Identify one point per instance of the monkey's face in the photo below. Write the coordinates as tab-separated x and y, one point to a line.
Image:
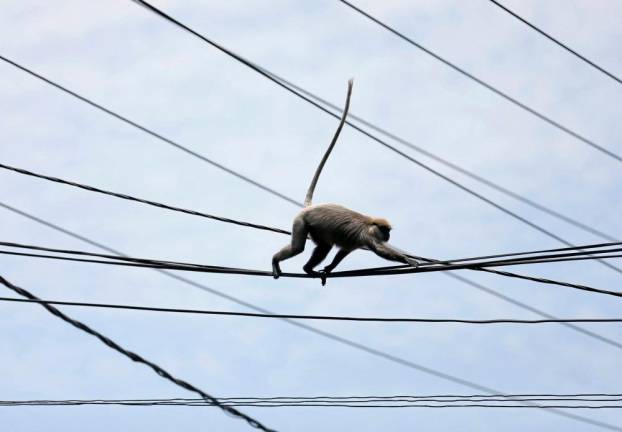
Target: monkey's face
385	232
381	232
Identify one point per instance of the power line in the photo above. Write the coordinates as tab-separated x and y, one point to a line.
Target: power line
349	342
437	158
516	258
241	302
214	217
313	317
483	83
134	357
143	201
556	41
516	254
533	225
277	230
581	397
512	257
382	402
456	167
151	132
262	72
378	271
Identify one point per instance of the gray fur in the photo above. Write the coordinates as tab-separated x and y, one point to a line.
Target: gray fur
331	225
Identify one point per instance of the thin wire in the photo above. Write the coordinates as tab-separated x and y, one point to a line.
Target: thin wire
313	317
435	265
268	189
391	403
133	356
452	165
580	397
152	133
515	254
242	223
483	83
398	270
261	71
557	42
351	343
443	161
381	271
143	201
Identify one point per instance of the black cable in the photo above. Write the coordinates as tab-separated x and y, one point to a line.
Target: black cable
313	317
143	201
214	217
434	265
283	404
261	71
437	265
588	397
152	133
261	227
133	356
516	254
350	273
452	165
349	342
380	271
557	41
318	99
483	83
268	189
556	282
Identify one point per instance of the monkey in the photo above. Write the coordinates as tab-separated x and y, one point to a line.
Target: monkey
331	225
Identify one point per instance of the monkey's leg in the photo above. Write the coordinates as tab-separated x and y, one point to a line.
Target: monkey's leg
338	258
318	255
297	245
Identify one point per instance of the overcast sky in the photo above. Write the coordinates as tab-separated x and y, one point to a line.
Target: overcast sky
129	60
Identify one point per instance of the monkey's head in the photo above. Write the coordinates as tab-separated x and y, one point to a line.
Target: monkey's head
381	229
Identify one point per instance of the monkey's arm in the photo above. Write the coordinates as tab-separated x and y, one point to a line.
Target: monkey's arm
387	252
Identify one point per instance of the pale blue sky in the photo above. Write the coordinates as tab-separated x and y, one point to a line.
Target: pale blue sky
127	59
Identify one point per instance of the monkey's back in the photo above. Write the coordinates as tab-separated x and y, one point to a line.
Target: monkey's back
333	224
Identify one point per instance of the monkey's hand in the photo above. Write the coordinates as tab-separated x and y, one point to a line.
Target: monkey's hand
276	270
412	262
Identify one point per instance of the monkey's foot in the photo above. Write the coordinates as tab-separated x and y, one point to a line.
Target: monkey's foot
323	274
276	269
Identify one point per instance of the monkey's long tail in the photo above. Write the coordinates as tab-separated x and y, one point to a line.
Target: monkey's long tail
309	197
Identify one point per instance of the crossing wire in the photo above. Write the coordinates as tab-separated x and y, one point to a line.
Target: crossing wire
478	178
141	200
151	132
259	70
272	191
556	41
177	145
484	84
378	271
349	342
133	356
277	230
398	270
313	317
518	258
333	402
